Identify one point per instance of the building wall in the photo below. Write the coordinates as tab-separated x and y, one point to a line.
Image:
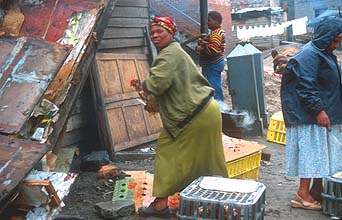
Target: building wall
262	43
302	8
238	4
275	3
185	13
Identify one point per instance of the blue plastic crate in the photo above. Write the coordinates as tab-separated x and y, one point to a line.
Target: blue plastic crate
332	197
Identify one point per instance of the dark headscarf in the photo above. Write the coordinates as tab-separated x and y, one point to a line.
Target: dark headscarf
327	30
165	22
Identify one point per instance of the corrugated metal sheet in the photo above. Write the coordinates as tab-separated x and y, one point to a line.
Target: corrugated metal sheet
17	158
80	29
27	67
49	21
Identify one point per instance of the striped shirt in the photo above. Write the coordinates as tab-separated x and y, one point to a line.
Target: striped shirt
214	48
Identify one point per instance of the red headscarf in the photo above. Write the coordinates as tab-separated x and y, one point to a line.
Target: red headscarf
165	22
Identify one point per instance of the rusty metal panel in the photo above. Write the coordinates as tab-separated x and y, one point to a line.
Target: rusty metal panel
49	21
27	66
129	123
17	157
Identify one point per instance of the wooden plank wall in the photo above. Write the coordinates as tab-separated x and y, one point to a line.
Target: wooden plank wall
81	128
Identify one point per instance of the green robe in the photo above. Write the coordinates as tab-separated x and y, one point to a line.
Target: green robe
195	149
180	88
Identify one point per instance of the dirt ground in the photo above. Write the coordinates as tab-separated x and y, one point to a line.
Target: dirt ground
88	189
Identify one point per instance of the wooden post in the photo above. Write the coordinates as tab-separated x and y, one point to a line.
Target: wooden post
204	16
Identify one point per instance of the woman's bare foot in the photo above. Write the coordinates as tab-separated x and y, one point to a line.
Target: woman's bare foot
306	196
160	203
316	195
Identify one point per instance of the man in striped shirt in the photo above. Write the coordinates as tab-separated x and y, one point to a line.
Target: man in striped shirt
211	49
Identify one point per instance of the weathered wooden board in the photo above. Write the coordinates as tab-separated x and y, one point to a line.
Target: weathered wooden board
17	157
123	11
27	67
129	123
81	74
123	43
132	2
107	48
128	21
124	32
235	148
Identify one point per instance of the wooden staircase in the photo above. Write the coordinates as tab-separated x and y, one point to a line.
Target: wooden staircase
125	28
124	53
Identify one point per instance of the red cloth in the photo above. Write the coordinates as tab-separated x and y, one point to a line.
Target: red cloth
165	22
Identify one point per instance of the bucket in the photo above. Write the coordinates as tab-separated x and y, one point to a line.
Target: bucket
229	124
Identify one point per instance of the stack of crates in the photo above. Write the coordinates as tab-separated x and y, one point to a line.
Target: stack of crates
276	129
197	203
332	197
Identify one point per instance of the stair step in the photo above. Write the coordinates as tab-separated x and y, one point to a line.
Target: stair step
132	2
122	32
127	12
128	21
126	26
121	43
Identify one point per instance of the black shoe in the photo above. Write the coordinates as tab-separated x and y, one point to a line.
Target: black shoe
151	211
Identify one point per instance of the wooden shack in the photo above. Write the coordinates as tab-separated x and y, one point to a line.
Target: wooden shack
65	81
76	59
46	60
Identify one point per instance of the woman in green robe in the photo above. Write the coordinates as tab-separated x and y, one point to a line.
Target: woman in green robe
190	143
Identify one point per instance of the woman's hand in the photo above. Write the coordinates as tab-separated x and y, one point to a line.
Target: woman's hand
323	120
151	104
202	42
136	83
198	49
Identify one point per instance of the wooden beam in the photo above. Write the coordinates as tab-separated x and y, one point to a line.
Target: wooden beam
81	75
101	114
55	200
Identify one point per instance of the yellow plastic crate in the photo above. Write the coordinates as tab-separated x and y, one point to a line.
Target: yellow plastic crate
246	167
276	129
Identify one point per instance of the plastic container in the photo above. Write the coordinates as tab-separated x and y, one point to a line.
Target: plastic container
198	203
276	129
332	197
245	168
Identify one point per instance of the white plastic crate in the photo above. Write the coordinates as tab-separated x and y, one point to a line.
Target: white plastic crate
198	203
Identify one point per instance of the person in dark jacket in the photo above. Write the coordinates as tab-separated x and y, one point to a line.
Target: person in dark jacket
311	98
